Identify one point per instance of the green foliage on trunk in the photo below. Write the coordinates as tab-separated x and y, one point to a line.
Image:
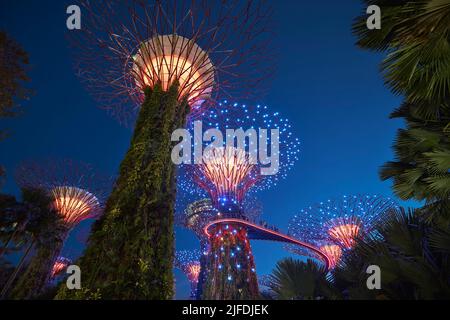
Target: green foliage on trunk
130	252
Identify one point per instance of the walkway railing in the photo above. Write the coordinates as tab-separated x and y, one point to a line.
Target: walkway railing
272	234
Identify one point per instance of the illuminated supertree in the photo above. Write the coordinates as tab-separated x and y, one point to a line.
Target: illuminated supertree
195	218
333	252
75	193
211	48
189	263
160	61
227	173
251	119
334	225
60	266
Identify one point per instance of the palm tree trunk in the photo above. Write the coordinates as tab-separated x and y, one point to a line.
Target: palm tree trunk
13	276
5	247
13	235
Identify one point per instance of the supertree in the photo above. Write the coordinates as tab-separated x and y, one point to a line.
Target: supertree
195	218
227	173
75	193
159	61
227	115
334	225
188	261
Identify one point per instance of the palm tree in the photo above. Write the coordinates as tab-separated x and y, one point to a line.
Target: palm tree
13	76
421	169
14	217
297	280
411	254
34	231
415	36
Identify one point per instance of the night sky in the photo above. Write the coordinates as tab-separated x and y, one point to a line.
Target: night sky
330	90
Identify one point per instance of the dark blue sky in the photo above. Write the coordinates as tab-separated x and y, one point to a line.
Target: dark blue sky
330	90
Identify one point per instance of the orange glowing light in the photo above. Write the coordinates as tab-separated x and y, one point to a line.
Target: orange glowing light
171	58
193	272
345	234
59	266
74	204
333	252
226	168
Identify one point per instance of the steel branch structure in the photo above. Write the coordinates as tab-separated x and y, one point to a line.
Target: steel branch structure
189	263
76	193
211	48
60	266
247	121
164	61
334	225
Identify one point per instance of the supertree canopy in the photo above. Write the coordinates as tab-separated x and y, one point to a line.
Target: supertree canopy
333	252
334	225
60	265
75	192
227	174
170	58
196	216
228	171
159	60
75	204
189	263
78	193
210	48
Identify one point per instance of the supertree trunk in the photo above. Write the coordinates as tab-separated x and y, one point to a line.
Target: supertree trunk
130	252
35	279
231	268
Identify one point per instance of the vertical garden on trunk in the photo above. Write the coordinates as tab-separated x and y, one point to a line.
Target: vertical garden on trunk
131	248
